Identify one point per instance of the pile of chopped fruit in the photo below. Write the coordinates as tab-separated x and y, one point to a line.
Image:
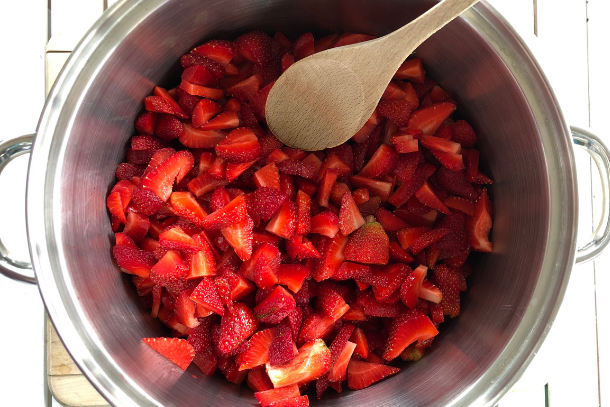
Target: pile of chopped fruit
292	268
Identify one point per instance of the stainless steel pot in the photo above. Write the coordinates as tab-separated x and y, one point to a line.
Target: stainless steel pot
515	291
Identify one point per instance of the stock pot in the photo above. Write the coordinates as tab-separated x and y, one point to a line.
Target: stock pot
514	293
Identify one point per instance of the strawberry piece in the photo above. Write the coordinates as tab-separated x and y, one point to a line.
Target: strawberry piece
257	349
350	218
303	202
312	361
255	46
284	222
350	270
202	263
266	398
126	171
282	348
412	70
277	156
457	241
428	119
215	70
267	201
258	101
177	351
204	184
404	143
206	295
221	51
439	144
427	239
186	101
389	221
204	111
407	165
361	195
240	146
333	161
137	226
393	92
268	176
472	165
275	307
430	292
168	127
123	240
239	236
375	308
456	183
246	89
367	129
451	161
186	206
170	272
362	374
230	369
287	61
262	266
158	157
304	46
292	276
200	336
438	94
234	170
398	254
479	225
125	190
378	188
397	111
258	380
396	274
410	289
462	133
184	310
362	346
236	325
368	245
225	120
382	163
325	223
339	359
161	179
339	370
176	239
408	188
156	104
301	401
240	287
351	38
199	74
202	91
331	303
295	167
219	199
332	258
231	214
133	261
406	329
146	123
115	206
197	138
175	108
426	196
218	168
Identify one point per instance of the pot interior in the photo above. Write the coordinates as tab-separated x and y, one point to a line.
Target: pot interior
138	45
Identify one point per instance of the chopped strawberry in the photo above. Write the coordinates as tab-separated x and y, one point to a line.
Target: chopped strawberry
234	170
284	222
239	236
225	120
237	324
168	127
339	359
406	329
404	143
202	263
241	146
185	205
231	214
448	281
175	108
267	201
396	274
351	38
362	345
397	111
170	272
408	188
136	226
472	164
398	254
367	129
480	224
133	261
268	176
427	239
331	303
304	46
262	266
333	161
115	206
275	307
456	183
350	218
382	163
332	257
451	161
325	223
282	348
393	92
303	202
255	46
246	89
216	69
292	276
301	401
257	349
368	245
312	361
361	195
426	196
430	292
266	398
206	295
375	308
438	94
439	144
461	204
184	310
204	184
363	374
200	75
161	179
462	133
219	50
202	91
177	351
389	221
258	380
410	289
412	70
377	188
176	239
126	171
146	123
428	119
300	168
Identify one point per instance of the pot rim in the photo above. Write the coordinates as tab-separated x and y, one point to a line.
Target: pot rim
43	206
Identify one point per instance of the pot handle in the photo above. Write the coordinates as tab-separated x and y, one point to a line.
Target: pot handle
15	269
601	155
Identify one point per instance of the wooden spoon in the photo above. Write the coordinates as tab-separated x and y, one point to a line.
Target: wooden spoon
323	100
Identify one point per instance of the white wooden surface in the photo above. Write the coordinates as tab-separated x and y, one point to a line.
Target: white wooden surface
572	46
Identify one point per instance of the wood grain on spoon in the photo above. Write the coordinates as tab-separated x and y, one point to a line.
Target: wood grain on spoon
323	100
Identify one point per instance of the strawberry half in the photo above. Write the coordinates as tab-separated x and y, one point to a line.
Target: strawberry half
161	179
239	236
257	349
428	119
362	374
240	146
206	295
255	46
237	324
410	327
177	351
312	361
368	245
231	214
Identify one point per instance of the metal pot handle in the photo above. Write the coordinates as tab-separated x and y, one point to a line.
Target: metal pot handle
601	155
15	269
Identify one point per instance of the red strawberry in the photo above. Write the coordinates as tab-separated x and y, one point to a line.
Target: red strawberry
126	171
462	133
115	206
427	239
367	129
156	104
282	348
398	254
287	61
396	274
331	303
404	143
284	222
136	226
375	308
479	224
292	276
225	120
397	111
231	214
389	221
200	337
230	369
350	270
363	374
221	51
262	266
237	324
206	361
168	127
275	307
312	361
300	168
267	201
412	70
258	380
378	188
351	38
304	46
234	170
428	119
410	289
199	74
359	339
184	310
455	182
448	281
215	69
301	401
266	398
451	161
177	351
255	46
332	257
239	236
303	202
350	218
161	179
333	161
176	239
186	206
204	111
170	272
146	123
245	90
219	199
175	108
439	144
133	261
206	295
241	145
408	188
426	196
430	292
197	138
257	350
457	241
268	176
277	156
202	91
382	163
202	263
369	245
393	92
204	184
325	223
406	329
123	240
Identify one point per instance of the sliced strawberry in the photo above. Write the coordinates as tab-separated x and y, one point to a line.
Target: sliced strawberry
158	157
214	68
184	310
177	351
239	236
408	188
231	214
133	261
451	161
237	324
368	245
115	206
312	361
156	104
325	43
406	329
332	257
136	226
404	143
246	89
275	307
363	374
412	70
241	145
199	74
427	239
382	163
456	183
462	133
267	201
304	46
333	161
460	204
240	287
255	46
282	348
301	401
303	202
204	111
300	168
426	196
396	274
284	222
176	110
398	254
350	218
202	263
262	266
146	123
258	380
339	359
375	308
221	51
234	170
202	91
170	272
362	346
292	276
287	61
266	398
123	240
439	144
268	176
206	294
277	156
377	188
397	111
393	92
410	289
257	350
430	292
438	94
367	129
218	169
428	119
480	224
331	303
225	120
389	221
185	205
161	179
168	127
204	184
351	38
176	239
126	171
